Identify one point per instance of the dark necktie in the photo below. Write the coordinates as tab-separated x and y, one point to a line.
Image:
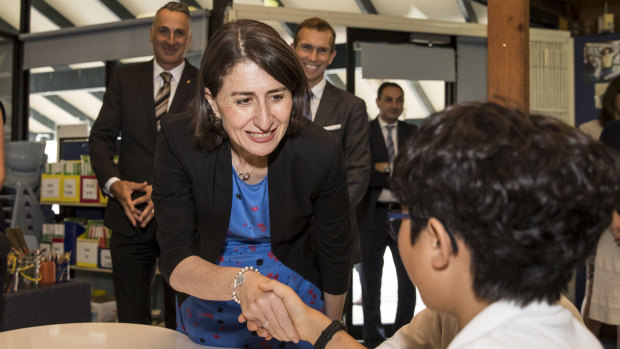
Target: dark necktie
161	100
309	114
390	142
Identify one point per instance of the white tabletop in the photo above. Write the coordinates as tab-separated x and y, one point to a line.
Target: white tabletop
96	335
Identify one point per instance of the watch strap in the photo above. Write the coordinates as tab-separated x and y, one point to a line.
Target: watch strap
328	333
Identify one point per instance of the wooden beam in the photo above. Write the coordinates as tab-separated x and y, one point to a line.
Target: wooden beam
508	52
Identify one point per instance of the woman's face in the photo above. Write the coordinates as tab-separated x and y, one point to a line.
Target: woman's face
255	109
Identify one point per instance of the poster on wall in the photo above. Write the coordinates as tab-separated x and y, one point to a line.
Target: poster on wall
597	63
601	64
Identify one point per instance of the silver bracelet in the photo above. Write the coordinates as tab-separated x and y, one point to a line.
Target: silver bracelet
239	280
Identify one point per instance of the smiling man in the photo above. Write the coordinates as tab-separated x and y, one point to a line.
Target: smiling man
387	135
134	102
338	111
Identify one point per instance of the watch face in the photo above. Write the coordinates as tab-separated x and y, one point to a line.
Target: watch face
240	279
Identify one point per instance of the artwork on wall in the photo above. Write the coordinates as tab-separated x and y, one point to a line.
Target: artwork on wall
597	62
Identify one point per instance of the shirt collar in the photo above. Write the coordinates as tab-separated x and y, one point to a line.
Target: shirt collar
176	71
317	90
502	312
382	123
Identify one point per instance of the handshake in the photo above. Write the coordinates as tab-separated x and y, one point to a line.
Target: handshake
276	311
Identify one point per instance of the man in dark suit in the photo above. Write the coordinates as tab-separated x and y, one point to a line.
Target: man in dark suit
136	98
387	133
338	111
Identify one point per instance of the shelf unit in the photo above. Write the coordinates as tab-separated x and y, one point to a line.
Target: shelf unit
91	269
73	204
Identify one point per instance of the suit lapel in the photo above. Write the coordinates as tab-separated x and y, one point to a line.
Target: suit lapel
326	106
278	183
184	88
378	142
148	98
403	133
222	186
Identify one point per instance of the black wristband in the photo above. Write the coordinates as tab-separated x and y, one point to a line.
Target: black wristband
328	333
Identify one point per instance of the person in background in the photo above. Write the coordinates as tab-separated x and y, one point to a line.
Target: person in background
338	111
387	135
247	189
5	244
604	306
487	236
134	102
610	111
607	55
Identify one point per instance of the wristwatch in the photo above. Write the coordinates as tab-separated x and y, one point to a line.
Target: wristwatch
239	280
388	169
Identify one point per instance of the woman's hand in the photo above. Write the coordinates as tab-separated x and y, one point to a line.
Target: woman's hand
308	322
264	310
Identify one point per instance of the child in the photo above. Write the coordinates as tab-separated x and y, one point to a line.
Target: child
501	208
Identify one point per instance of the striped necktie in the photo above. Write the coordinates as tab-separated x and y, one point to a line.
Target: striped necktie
390	142
161	100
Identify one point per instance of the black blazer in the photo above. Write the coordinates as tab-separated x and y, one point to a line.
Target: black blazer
129	111
308	202
380	180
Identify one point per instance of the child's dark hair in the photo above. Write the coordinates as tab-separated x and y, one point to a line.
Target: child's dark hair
527	194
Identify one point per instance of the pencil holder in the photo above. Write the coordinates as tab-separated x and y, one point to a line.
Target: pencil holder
62	271
28	271
48	273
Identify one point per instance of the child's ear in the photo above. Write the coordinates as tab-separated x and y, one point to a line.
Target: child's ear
441	248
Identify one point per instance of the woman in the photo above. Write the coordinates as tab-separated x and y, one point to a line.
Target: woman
243	182
610	111
604	302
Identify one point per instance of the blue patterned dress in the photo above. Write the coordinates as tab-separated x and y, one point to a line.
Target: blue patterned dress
247	243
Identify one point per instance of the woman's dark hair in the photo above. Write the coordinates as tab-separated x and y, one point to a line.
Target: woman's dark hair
241	41
527	194
3	112
608	103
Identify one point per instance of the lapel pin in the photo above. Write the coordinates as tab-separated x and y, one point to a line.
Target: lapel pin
188	81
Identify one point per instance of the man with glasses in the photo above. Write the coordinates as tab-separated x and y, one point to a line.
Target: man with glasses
387	134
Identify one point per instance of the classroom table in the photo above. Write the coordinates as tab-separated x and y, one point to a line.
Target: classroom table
96	335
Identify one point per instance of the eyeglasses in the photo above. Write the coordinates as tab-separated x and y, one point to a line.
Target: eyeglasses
395	218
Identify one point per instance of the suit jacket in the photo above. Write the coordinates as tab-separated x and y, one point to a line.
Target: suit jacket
380	180
129	110
345	116
308	206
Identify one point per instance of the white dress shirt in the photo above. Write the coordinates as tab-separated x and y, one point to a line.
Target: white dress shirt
158	81
536	326
317	93
386	195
